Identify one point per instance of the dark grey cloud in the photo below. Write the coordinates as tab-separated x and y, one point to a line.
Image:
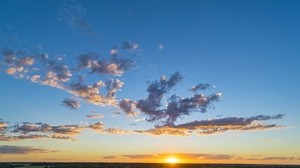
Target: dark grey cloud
71	103
6	149
128	106
74	14
175	106
151	106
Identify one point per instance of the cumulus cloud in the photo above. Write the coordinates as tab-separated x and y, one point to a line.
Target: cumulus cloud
71	103
151	106
167	113
116	65
6	149
74	14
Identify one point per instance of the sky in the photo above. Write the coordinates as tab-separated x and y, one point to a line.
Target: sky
205	81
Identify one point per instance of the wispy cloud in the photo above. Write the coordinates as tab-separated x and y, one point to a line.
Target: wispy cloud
129	45
94	116
74	14
71	103
6	149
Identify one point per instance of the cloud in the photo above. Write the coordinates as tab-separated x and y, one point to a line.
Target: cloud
140	156
117	131
112	86
201	86
10	138
128	45
91	93
74	15
175	106
94	116
96	126
116	65
3	126
161	47
128	106
213	126
27	130
17	64
6	149
156	90
73	104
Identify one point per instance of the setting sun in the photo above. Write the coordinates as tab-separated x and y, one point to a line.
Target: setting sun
171	160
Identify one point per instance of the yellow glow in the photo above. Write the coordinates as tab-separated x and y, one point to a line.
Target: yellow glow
171	160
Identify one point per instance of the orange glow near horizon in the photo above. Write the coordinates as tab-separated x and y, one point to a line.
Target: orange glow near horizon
172	160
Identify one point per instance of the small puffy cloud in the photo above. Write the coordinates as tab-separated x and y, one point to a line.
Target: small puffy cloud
117	131
91	93
94	116
112	86
161	47
201	86
25	61
71	103
3	126
35	78
96	126
129	45
7	149
67	129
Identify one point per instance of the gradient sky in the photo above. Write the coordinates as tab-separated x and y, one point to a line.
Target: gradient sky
96	81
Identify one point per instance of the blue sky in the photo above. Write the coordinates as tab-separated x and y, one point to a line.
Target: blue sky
247	49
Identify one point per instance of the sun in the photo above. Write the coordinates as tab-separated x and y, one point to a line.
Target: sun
171	160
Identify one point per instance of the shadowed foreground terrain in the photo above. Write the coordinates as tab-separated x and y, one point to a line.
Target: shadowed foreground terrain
136	165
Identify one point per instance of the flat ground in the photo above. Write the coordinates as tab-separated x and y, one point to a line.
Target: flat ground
136	165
